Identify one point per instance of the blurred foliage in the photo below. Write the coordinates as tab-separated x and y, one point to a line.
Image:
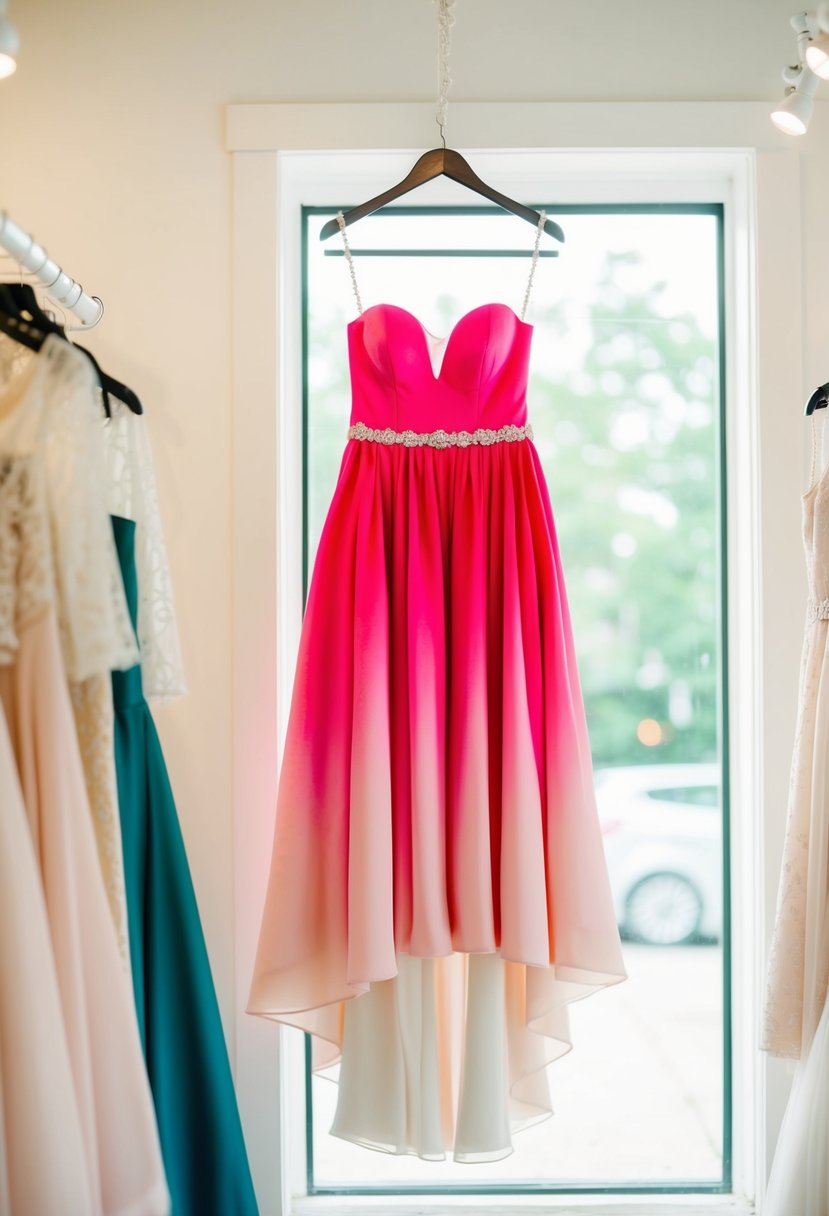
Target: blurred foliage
629	444
631	457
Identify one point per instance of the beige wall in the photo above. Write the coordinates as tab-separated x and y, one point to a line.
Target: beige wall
111	152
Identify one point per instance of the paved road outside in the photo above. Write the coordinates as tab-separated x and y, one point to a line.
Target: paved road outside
639	1097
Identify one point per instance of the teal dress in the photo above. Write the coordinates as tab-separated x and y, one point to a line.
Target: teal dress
181	1030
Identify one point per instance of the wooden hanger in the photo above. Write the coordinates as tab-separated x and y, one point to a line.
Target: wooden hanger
441	162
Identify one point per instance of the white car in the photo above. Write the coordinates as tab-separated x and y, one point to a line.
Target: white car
662	829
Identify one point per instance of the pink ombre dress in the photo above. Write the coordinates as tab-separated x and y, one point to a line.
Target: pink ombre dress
437	852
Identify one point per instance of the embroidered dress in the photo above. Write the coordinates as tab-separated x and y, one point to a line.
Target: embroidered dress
438	890
796	1016
799	956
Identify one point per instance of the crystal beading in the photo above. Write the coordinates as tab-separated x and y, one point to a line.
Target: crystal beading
542	219
482	437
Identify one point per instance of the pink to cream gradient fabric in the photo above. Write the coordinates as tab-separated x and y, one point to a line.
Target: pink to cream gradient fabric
436	796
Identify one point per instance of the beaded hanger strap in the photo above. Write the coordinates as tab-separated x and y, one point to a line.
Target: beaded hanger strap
541	221
350	260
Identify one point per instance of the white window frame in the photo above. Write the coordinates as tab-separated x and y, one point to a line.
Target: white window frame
288	155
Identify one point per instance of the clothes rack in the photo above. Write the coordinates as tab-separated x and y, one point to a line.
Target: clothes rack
34	259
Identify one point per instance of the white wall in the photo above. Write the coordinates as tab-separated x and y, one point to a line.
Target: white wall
112	153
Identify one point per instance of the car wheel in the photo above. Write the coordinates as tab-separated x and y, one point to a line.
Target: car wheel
663	910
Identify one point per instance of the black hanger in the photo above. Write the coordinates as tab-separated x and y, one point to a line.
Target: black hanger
25	301
29	318
818	400
112	386
441	162
19	329
7	303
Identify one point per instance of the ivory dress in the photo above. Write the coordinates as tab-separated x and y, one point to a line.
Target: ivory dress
438	890
65	619
796	1018
38	1112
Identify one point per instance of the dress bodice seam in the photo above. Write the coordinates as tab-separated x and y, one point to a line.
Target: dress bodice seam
483	355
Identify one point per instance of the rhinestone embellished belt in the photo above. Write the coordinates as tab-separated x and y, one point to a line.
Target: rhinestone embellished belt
817	610
440	439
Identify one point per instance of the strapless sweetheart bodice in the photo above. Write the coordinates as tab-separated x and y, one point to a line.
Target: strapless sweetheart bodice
481	381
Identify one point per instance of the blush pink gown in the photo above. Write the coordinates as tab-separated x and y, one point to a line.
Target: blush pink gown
438	890
39	1117
796	1012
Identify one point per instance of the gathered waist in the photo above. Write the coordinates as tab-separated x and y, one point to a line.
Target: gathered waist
817	610
483	436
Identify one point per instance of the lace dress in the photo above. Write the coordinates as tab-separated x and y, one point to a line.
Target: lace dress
92	709
438	891
64	619
796	1018
132	494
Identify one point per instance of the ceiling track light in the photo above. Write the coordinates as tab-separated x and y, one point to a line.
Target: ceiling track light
793	114
817	50
9	44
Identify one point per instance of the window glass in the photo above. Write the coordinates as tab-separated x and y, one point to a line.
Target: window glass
625	403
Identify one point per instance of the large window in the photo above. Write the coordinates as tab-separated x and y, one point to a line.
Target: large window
626	404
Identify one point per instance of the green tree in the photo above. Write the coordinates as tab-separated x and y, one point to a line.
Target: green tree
629	447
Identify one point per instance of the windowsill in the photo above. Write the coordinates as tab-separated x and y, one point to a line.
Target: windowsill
543	1205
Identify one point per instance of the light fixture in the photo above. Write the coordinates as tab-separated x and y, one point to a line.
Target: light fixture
9	43
817	52
817	56
793	113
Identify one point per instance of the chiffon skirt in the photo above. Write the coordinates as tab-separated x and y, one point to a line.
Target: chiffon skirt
436	794
799	1180
39	1119
798	968
115	1116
